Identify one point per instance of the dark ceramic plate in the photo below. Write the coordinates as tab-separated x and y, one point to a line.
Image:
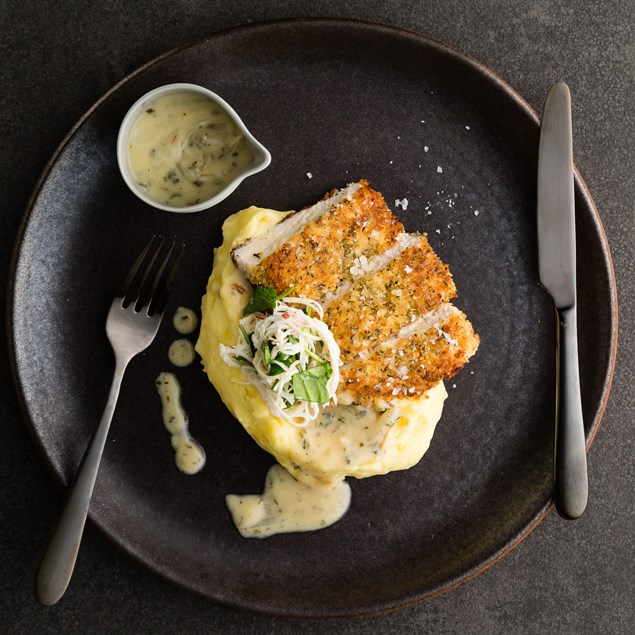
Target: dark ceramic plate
342	101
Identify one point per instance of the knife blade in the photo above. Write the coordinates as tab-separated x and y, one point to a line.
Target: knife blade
557	268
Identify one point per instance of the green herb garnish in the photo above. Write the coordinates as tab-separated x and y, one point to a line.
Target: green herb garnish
280	364
266	352
248	338
310	384
264	298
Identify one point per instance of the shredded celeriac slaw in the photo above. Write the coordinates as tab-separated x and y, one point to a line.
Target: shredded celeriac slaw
290	356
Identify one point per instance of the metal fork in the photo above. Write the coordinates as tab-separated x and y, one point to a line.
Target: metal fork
131	326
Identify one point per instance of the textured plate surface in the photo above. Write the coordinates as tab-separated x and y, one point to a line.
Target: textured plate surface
342	101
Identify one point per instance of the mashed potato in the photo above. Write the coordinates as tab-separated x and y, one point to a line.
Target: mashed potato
344	440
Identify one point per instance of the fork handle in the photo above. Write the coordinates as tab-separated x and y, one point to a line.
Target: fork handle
59	559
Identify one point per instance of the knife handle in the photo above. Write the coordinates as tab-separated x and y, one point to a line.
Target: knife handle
570	481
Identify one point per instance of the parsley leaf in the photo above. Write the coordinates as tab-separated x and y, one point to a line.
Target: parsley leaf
264	298
310	384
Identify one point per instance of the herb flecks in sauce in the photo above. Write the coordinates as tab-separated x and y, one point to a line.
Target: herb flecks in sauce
185	149
185	321
288	505
189	456
181	352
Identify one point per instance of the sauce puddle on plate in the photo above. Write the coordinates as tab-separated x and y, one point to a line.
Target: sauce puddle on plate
181	353
189	456
288	505
184	321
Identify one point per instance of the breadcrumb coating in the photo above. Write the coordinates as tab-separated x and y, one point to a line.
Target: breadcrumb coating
386	296
383	302
408	367
319	257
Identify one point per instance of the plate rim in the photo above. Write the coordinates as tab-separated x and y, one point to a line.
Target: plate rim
305	22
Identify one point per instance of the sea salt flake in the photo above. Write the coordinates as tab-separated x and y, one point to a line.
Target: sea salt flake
403	203
408	269
446	336
309	175
467	127
476	212
439	169
425	148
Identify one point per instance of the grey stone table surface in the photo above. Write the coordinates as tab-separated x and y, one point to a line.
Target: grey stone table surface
58	58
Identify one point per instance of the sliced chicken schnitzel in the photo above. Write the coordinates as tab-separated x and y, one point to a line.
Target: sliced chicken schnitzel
385	292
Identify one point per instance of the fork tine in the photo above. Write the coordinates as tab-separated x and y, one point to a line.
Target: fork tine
164	278
134	281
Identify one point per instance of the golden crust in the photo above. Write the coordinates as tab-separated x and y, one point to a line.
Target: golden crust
383	302
321	255
411	366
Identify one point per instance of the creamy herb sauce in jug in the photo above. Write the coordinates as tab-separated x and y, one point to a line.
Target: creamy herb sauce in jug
185	148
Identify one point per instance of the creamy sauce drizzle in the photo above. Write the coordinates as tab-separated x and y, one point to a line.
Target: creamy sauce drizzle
189	456
185	321
288	505
181	352
185	148
347	435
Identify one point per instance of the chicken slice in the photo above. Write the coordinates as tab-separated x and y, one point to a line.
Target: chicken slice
433	347
388	299
317	250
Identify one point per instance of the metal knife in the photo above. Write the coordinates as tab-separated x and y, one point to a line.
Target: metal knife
557	264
